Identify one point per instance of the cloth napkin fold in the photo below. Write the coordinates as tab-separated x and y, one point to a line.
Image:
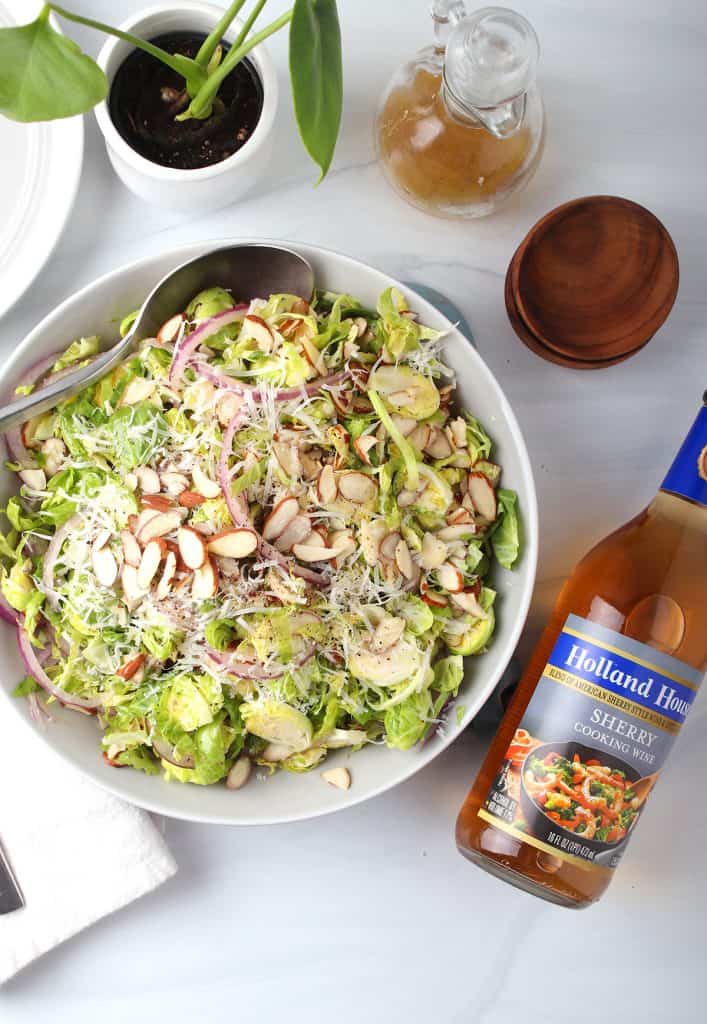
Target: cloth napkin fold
78	853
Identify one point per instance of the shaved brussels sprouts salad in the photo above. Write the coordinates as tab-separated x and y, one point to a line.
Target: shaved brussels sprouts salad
266	535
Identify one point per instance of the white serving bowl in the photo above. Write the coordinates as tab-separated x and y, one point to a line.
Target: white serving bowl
97	309
206	188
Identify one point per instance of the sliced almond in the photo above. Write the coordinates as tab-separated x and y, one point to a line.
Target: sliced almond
205	581
105	566
128	669
168	573
357	487
460	517
148	480
287	458
318	531
276	752
434	552
388	545
363	445
192	547
139	389
341	433
387	632
313	356
227	406
342	400
326	486
203	484
33	478
150	563
431	597
342	541
169	331
280	517
313	552
403	560
131	548
371	534
239	773
190	499
450	578
237	543
174	483
102	538
295	533
438	445
405	424
159	526
54	451
458	531
132	591
255	327
156	502
340	778
420	436
483	496
469	602
457	428
407	498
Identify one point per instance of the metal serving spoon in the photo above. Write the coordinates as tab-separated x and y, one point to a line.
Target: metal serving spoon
251	270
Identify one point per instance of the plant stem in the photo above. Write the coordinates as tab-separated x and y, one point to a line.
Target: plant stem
208	47
250	21
171	61
203	99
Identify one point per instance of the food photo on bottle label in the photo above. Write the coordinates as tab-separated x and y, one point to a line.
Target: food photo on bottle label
606	711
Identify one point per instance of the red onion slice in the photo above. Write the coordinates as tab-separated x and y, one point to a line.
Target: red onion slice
227	383
251	670
165	750
8	613
34	669
185	350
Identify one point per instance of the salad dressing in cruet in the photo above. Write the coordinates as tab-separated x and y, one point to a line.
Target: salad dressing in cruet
461	126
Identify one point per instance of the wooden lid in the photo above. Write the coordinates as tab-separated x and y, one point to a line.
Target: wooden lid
536	346
594	280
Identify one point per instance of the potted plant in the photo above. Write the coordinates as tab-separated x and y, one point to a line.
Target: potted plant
185	92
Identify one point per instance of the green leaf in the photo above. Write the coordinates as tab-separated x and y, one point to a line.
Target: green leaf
25	687
506	538
317	77
406	723
44	75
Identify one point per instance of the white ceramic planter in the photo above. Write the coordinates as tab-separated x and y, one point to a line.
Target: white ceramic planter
208	188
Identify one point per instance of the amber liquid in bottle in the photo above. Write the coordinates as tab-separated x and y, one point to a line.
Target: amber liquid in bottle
653	571
436	159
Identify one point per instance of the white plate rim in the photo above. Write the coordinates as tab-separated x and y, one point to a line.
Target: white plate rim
530	523
57	197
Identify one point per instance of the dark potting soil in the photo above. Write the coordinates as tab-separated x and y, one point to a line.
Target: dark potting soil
146	95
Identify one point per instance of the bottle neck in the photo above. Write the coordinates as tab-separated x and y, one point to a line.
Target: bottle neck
687	477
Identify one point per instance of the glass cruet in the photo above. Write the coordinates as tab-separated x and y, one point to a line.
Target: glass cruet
460	127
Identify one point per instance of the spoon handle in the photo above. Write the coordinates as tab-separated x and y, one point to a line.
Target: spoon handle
56	391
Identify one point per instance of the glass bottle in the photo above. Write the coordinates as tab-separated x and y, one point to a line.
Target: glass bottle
611	681
460	128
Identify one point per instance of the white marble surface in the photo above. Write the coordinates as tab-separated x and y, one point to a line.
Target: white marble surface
372	914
